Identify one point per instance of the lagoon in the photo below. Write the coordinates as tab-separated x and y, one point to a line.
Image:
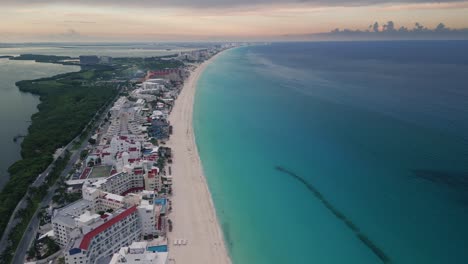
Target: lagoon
16	108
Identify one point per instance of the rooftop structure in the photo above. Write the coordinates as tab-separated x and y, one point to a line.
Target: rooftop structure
160	129
105	60
138	252
105	238
171	74
153	85
88	60
63	221
126	119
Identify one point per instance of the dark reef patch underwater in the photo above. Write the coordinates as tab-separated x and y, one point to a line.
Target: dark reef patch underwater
362	237
454	180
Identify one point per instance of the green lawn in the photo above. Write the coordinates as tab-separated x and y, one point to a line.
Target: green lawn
100	171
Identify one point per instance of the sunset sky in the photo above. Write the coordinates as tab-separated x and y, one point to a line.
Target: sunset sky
176	20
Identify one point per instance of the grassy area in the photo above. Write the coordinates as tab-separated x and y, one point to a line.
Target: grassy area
153	63
100	171
87	75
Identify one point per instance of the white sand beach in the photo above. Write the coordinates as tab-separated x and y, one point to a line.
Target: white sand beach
193	215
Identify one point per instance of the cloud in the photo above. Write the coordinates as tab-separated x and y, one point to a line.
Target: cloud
214	3
388	30
78	22
425	6
69	35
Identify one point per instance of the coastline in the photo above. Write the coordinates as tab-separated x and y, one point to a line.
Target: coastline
18	107
29	170
194	215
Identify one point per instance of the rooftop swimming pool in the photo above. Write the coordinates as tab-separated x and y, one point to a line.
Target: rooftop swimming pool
161	201
160	248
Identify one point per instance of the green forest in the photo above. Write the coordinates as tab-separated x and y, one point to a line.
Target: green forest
68	102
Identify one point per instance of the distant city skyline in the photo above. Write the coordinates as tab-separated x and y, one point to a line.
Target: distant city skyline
210	20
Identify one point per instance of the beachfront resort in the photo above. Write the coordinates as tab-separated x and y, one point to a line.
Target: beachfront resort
125	185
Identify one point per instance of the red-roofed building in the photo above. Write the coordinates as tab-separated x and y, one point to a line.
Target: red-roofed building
125	144
86	241
107	238
165	73
132	190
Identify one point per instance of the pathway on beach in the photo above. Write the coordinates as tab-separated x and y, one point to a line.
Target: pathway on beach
193	216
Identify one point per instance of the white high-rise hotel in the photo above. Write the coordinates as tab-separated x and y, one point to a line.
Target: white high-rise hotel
109	216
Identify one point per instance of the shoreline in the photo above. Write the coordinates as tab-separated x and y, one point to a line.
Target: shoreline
30	169
18	136
194	215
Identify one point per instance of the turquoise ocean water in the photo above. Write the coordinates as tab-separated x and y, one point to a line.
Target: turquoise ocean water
373	140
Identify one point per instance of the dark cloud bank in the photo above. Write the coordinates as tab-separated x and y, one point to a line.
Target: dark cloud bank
389	31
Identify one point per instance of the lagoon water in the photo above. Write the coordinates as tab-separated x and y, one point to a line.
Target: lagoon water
380	129
17	107
100	49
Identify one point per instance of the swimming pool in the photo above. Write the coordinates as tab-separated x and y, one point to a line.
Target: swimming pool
161	201
160	248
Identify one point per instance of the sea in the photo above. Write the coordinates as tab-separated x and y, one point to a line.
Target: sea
338	152
325	152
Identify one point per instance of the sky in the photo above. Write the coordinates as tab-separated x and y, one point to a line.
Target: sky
211	20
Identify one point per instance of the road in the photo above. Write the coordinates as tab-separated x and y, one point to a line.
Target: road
29	234
22	204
